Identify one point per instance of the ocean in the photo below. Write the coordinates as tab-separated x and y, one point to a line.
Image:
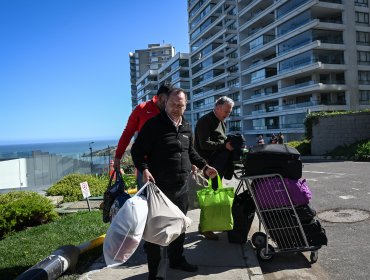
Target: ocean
71	149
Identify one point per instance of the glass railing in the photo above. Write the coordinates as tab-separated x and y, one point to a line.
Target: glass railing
292	87
297	64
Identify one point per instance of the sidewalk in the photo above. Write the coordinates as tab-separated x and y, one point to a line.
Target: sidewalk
216	260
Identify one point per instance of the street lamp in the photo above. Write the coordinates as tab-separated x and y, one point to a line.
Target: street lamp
91	162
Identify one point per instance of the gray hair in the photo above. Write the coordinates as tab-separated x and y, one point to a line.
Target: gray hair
224	100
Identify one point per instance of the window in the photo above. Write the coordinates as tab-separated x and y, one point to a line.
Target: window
362	38
363	57
364	96
362	18
233	83
364	77
362	3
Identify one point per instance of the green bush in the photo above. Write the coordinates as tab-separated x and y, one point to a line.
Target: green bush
304	147
21	209
357	151
69	186
363	151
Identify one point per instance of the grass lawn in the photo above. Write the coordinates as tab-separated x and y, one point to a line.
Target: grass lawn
20	251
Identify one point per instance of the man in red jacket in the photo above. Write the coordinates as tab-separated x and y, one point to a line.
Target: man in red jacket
137	119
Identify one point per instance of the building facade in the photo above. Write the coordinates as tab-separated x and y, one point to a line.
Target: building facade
278	60
144	65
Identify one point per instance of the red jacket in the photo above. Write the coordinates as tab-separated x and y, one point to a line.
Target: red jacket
137	119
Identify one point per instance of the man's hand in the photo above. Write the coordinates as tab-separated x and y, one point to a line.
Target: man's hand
147	176
194	168
117	163
210	172
228	146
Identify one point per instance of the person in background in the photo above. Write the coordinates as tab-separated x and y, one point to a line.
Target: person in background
280	138
210	136
136	120
163	151
273	139
111	169
260	140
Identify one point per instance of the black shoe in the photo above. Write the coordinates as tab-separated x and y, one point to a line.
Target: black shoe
184	265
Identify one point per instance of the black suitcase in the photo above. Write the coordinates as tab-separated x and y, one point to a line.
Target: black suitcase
273	158
243	210
315	233
290	236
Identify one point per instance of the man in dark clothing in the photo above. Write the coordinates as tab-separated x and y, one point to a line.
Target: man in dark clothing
164	152
210	136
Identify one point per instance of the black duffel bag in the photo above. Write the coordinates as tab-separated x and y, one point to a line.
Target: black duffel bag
273	158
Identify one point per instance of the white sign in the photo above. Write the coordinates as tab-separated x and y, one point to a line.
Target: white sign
85	189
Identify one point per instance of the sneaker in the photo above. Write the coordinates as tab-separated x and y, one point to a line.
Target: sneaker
184	265
209	235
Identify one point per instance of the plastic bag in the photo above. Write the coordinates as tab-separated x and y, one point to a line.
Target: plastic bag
126	230
165	220
195	182
215	207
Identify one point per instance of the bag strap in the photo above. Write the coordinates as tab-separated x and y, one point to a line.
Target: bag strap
119	179
219	182
110	185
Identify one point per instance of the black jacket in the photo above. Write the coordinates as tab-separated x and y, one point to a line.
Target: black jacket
209	135
166	151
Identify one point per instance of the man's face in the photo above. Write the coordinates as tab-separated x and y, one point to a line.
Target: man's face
176	105
162	98
223	111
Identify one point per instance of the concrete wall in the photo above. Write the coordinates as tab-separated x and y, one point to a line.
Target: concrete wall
13	174
334	131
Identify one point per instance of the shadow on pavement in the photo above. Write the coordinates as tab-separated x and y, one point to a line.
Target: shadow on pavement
288	261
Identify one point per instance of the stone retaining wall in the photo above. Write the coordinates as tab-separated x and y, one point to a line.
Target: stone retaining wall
334	131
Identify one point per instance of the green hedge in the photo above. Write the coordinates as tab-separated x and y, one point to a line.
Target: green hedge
357	151
69	186
304	147
21	209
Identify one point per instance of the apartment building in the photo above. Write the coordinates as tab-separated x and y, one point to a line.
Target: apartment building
214	58
144	66
279	60
176	72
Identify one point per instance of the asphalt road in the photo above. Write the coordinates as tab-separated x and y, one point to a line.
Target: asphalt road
335	186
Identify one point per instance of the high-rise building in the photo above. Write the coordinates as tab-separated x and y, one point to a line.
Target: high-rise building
214	58
144	65
176	72
279	60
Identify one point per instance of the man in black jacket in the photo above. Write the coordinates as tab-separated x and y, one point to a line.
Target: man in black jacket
164	152
210	142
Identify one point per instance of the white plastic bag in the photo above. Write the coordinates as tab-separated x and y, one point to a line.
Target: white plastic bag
165	220
126	230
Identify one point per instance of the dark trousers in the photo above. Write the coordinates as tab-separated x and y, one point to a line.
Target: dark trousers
176	248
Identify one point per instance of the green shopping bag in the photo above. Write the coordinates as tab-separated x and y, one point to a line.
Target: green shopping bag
215	207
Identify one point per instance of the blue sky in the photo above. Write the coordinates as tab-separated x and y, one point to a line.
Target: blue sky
64	67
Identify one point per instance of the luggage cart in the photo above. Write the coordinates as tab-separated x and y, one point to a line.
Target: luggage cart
284	232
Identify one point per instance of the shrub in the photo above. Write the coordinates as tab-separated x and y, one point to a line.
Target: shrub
363	151
69	186
21	209
357	151
304	147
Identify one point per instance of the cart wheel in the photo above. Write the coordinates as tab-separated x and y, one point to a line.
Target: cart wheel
261	253
314	256
259	239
